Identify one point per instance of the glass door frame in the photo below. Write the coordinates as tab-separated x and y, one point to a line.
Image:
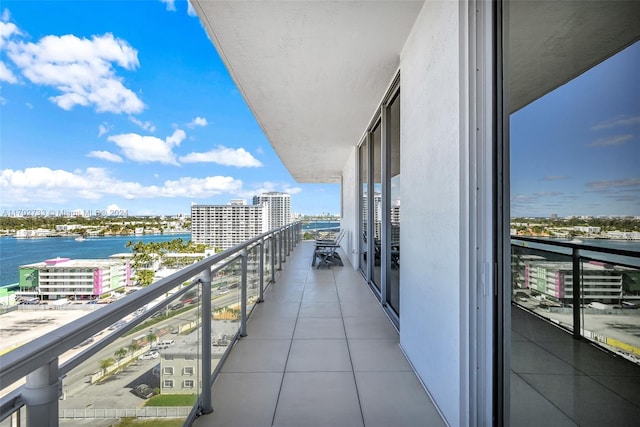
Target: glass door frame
380	118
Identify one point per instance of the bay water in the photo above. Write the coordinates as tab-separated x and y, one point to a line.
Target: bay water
16	252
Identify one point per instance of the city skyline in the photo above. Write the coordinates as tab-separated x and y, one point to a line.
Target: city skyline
99	115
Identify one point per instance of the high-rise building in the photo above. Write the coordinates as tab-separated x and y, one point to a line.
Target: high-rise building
224	226
277	207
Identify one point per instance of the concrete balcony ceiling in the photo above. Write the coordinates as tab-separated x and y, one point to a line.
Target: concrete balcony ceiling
314	72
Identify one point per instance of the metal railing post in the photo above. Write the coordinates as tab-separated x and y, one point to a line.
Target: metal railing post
280	250
288	241
261	267
206	397
285	244
575	254
272	259
243	295
41	393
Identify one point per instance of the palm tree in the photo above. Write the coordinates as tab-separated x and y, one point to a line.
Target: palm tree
120	354
133	347
151	337
106	363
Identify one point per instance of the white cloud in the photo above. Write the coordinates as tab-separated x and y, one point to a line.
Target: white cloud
3	101
178	136
170	5
145	149
29	105
202	187
113	207
105	155
7	29
612	140
292	190
148	126
41	185
103	128
616	122
198	121
190	10
6	75
224	156
82	70
269	186
614	184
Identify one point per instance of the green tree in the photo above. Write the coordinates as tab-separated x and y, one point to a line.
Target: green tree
106	363
133	347
151	337
120	354
145	277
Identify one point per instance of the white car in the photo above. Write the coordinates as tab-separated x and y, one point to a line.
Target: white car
153	354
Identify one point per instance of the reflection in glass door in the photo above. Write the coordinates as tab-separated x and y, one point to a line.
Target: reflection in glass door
363	184
376	203
392	240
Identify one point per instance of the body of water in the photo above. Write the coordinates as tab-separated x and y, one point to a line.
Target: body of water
16	252
320	225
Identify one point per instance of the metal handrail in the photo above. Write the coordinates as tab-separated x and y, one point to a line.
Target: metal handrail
44	351
576	258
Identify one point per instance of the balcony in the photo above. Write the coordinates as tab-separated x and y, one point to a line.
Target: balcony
320	351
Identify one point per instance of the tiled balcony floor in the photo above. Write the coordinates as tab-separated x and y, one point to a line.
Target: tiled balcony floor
558	381
319	352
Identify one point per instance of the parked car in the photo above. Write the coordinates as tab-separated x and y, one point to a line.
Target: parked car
161	345
143	391
152	354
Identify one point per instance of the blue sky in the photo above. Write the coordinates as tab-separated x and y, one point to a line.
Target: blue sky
576	151
101	111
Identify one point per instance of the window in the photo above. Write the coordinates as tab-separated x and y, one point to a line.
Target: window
188	384
167	384
187	370
167	370
379	198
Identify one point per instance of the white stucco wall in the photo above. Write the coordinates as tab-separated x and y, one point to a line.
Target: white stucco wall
431	160
350	218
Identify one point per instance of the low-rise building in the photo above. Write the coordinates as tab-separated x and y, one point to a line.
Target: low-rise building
79	279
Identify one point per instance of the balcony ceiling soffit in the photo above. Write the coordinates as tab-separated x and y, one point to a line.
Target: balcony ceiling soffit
552	42
312	72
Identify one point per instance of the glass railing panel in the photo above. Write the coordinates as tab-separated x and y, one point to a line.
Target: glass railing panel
146	371
267	262
253	276
542	281
17	419
225	308
611	306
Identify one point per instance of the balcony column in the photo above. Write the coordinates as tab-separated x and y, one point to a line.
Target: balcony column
577	327
280	250
261	267
272	259
41	393
205	397
286	244
243	295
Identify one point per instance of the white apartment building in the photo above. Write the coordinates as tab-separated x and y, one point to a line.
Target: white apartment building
179	371
277	208
225	226
553	279
78	279
375	91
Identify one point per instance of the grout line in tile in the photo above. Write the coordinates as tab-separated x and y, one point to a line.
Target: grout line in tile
353	373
